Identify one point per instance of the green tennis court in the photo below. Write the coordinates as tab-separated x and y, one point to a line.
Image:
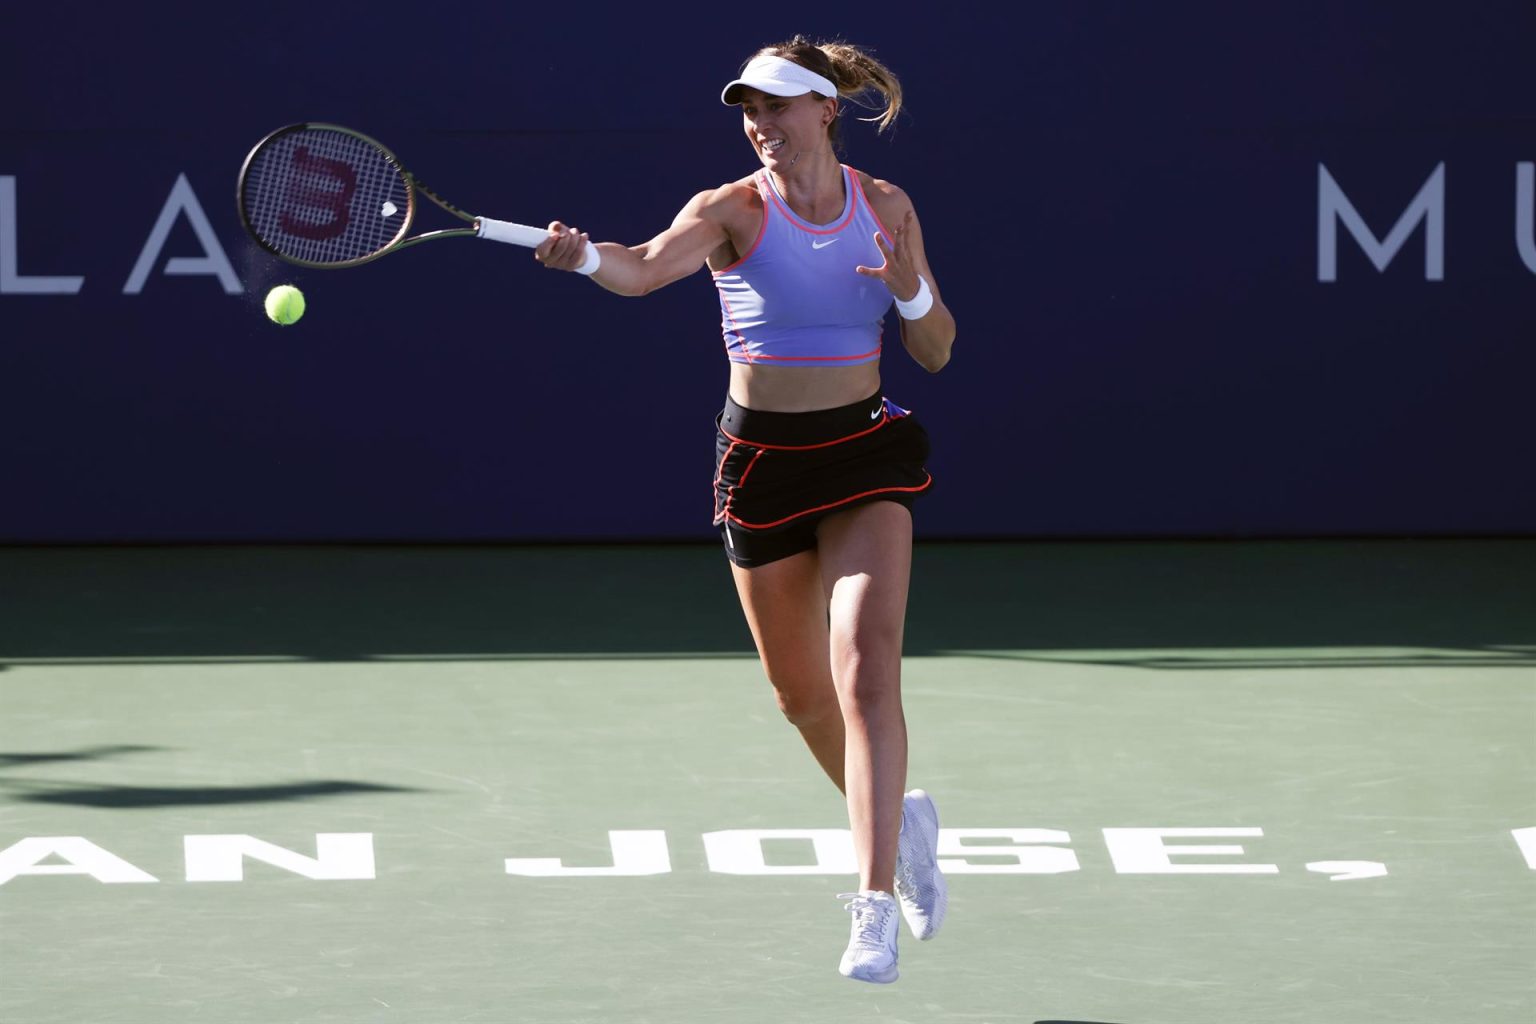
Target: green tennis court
1181	782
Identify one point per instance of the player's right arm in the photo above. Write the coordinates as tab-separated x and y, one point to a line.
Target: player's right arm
700	228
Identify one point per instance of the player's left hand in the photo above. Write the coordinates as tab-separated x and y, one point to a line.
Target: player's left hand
898	273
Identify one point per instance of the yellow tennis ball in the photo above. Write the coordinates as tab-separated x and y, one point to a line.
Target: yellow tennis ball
285	304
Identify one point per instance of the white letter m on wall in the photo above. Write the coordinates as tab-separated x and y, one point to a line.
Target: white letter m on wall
1334	206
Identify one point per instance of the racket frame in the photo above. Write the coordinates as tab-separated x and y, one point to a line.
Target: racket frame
412	185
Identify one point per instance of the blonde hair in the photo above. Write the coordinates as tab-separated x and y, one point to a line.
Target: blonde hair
852	69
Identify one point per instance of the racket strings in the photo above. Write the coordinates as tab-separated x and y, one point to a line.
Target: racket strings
323	196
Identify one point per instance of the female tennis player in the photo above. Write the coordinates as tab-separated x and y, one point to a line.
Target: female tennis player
816	471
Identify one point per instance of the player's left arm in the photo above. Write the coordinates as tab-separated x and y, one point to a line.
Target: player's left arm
930	337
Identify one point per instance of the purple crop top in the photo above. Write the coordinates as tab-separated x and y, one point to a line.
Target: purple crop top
794	298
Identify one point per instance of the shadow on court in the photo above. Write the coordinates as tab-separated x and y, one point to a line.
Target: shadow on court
129	797
69	794
122	797
74	756
1247	603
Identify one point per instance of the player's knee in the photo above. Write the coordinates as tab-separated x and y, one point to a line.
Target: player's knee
804	707
865	645
870	697
868	677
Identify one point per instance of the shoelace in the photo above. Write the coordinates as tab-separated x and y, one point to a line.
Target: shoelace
871	916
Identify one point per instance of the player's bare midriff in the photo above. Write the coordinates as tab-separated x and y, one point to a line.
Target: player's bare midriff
802	388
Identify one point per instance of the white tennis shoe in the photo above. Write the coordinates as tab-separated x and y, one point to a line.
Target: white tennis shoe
920	885
871	954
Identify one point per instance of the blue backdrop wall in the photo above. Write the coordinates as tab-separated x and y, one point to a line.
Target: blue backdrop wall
1218	270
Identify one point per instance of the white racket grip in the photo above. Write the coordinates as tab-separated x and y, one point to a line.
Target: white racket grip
522	234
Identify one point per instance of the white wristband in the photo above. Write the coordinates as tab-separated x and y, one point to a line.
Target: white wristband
591	261
918	305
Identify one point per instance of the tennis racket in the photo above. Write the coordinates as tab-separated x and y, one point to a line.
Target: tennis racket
320	195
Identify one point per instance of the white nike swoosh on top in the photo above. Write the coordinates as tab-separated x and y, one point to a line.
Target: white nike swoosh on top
823	245
875	414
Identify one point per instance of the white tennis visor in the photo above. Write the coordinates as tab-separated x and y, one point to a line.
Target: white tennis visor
776	77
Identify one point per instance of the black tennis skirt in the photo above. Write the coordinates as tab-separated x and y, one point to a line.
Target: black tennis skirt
778	474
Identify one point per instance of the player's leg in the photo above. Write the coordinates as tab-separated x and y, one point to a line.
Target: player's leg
865	558
786	609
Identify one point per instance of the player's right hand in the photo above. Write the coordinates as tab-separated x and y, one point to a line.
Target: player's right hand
564	249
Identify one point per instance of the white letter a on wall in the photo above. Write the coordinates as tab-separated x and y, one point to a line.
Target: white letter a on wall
183	200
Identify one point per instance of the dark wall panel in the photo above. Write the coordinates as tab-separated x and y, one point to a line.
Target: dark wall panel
1123	204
